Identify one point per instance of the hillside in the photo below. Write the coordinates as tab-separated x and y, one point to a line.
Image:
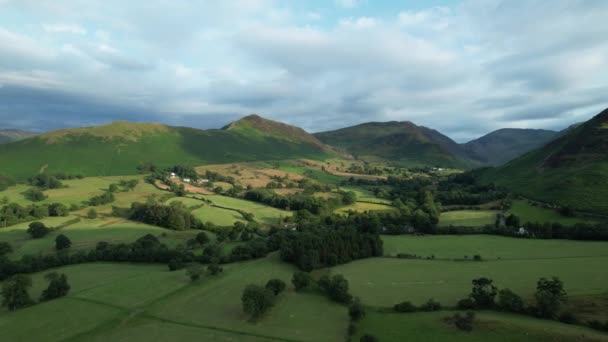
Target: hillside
571	170
9	135
118	148
402	142
503	145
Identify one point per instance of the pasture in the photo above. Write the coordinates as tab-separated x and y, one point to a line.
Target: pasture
489	326
363	207
387	281
491	247
530	213
262	213
365	195
467	218
148	303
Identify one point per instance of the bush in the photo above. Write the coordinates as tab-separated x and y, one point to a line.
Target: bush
431	305
194	272
38	230
256	300
336	288
368	338
62	242
92	214
356	310
34	195
301	280
276	286
175	264
463	322
465	304
214	269
510	301
568	318
405	307
58	286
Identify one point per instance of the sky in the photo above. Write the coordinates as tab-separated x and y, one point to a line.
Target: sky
464	68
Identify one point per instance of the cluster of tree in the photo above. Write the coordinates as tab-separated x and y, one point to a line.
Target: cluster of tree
14	213
15	290
127	185
312	204
34	195
465	189
38	230
183	171
67	176
45	181
195	271
311	246
105	198
549	297
218	177
335	288
173	216
257	300
429	305
5	182
147	249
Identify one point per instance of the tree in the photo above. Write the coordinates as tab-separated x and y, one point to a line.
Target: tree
58	286
276	286
37	230
194	272
512	221
483	292
5	248
368	338
431	305
92	214
113	187
463	322
15	292
550	294
214	269
356	310
202	238
256	300
404	307
175	264
301	280
510	301
35	195
337	289
349	197
62	242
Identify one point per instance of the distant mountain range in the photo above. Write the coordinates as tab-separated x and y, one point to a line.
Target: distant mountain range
10	135
570	170
503	145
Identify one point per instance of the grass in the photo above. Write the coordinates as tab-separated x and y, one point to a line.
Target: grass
529	213
387	281
262	213
126	302
489	326
467	218
86	233
364	206
365	195
491	247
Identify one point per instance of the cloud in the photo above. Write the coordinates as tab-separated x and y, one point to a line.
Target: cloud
464	68
64	28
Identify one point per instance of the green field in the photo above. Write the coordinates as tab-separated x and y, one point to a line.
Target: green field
148	303
364	206
262	213
86	233
365	195
467	218
489	326
387	281
529	213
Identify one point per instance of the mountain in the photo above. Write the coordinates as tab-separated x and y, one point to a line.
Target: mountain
570	170
498	147
118	148
9	135
402	142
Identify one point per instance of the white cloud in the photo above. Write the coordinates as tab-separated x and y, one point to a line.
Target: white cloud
64	28
348	3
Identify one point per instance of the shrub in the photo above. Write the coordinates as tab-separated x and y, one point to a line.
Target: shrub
356	310
214	269
194	272
62	242
276	286
466	304
431	305
301	280
256	300
92	214
38	230
510	301
58	286
568	318
175	264
405	307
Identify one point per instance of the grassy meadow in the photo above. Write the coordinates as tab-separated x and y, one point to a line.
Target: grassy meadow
530	213
467	218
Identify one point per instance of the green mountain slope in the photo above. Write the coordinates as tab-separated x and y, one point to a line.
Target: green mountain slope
9	135
402	142
118	148
503	145
571	170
